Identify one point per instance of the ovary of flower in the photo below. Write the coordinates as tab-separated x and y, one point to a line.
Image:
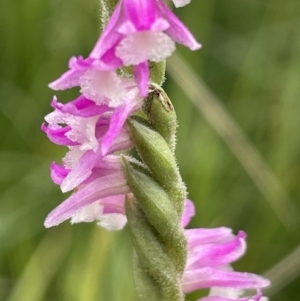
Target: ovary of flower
146	45
102	87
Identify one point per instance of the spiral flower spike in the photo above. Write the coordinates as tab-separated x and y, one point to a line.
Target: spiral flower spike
155	210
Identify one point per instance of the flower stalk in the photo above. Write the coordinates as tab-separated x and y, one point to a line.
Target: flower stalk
106	9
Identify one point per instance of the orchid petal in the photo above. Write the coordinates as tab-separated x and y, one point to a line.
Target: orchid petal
81	171
105	211
141	73
82	167
229	294
118	119
114	184
122	142
210	277
177	30
188	212
206	235
58	173
110	58
142	13
58	135
70	78
216	254
103	87
109	36
81	106
112	221
180	3
143	46
106	166
114	204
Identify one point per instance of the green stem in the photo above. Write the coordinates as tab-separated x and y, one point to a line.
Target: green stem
154	215
154	262
106	9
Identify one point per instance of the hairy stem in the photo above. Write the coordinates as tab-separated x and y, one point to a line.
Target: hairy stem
154	213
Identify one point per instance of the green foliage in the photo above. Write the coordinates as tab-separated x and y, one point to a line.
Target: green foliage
250	60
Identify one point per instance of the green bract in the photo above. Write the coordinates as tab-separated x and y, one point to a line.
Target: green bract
155	210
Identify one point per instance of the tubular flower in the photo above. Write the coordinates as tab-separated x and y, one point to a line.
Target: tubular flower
210	253
93	133
140	31
98	81
100	197
90	131
137	32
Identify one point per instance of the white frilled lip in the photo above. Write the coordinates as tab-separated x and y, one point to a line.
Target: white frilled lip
180	3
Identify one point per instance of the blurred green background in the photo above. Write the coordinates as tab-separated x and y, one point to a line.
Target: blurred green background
250	63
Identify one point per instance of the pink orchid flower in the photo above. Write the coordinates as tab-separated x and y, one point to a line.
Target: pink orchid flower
100	197
90	131
140	31
210	251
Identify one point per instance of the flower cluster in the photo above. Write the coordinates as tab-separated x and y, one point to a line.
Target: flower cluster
210	253
93	127
93	133
138	31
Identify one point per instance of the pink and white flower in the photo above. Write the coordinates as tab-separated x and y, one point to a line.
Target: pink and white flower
93	133
210	253
140	31
100	197
90	131
98	81
137	32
